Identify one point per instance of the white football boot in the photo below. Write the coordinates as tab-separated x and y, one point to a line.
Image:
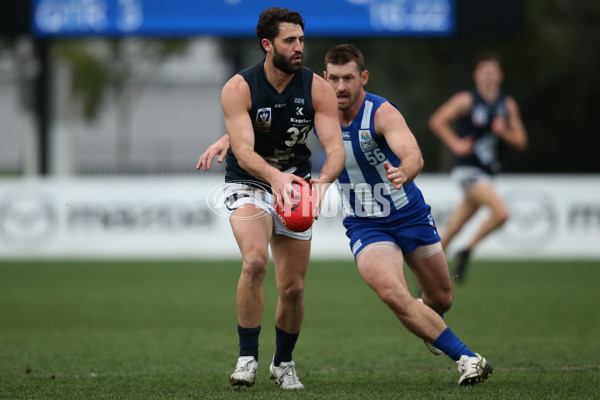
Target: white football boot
434	350
285	375
245	372
473	370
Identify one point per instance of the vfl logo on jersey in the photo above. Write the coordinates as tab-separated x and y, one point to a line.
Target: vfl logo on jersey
298	100
479	115
262	123
366	141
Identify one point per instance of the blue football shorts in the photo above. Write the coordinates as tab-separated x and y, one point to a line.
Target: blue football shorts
406	231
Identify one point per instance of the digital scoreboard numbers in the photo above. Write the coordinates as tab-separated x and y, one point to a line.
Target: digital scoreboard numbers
238	18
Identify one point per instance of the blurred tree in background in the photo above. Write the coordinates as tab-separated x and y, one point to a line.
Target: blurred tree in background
113	64
101	68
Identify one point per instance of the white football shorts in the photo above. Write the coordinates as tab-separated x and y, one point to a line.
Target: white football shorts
468	176
238	194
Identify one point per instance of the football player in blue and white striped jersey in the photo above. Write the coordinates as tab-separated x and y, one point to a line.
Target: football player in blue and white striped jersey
389	224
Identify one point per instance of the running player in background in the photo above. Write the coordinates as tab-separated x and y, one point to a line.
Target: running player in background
486	119
269	109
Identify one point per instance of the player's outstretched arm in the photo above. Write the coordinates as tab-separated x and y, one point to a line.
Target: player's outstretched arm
218	148
330	136
442	119
390	123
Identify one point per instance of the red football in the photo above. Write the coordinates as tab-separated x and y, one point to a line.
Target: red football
299	216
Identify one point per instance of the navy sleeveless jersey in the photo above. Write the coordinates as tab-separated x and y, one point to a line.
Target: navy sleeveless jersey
281	123
364	187
487	148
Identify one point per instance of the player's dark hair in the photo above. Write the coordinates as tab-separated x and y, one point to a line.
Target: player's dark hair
485	56
269	20
343	54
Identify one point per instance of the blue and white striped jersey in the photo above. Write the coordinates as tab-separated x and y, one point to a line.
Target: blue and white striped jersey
364	188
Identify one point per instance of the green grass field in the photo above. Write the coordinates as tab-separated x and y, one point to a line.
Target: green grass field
167	330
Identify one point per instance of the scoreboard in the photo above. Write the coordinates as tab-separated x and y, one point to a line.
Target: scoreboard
237	18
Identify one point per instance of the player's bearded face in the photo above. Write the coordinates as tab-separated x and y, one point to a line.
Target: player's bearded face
289	65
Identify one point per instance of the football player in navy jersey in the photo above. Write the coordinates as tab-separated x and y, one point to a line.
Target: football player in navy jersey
269	110
485	118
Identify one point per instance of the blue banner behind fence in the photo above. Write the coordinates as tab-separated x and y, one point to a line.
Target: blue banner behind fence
237	18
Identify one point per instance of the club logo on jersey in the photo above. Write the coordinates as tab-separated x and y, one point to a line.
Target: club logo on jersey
479	115
366	141
262	123
486	149
432	223
430	218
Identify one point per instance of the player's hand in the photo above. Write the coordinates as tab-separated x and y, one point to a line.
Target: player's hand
464	146
281	186
319	190
218	148
395	175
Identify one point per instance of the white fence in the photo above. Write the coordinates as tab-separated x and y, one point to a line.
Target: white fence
179	217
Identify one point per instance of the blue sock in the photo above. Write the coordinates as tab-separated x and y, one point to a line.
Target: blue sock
285	343
249	341
451	345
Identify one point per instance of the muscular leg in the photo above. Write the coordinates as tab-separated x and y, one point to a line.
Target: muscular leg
485	194
291	261
290	257
461	214
433	278
252	235
382	269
